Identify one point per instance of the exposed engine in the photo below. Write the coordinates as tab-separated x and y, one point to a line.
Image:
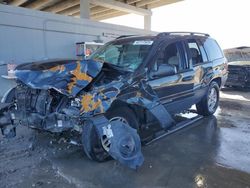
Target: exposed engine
50	110
44	109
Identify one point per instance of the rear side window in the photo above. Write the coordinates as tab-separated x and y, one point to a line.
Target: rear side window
195	52
213	50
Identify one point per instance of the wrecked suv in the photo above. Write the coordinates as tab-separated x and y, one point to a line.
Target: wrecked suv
126	86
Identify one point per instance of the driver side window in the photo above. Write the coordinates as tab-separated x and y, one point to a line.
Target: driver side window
170	55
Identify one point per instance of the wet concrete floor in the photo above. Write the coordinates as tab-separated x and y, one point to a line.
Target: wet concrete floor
213	152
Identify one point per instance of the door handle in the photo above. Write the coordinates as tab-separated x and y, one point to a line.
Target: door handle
187	78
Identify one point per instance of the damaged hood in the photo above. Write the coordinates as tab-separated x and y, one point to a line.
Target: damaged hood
66	76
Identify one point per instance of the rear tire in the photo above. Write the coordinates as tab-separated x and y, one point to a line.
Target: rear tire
209	103
93	145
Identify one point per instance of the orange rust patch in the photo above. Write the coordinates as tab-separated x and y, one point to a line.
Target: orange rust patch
71	84
78	75
88	104
57	68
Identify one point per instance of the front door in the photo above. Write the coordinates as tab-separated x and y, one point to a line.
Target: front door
175	91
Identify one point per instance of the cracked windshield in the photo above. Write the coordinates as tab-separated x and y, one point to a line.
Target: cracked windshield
124	54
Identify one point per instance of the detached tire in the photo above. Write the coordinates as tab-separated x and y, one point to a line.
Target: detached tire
93	145
209	103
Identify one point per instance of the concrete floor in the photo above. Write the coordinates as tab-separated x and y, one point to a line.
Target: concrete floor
214	152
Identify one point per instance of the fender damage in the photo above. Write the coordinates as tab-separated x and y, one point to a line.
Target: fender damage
75	79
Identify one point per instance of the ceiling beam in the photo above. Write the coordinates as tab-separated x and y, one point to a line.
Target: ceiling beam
17	2
108	12
70	10
94	9
77	14
114	13
62	5
146	2
38	4
162	3
121	7
107	16
99	9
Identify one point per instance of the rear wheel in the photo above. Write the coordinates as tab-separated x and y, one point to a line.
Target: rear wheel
209	103
97	148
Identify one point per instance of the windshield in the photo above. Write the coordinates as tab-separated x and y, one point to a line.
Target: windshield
124	54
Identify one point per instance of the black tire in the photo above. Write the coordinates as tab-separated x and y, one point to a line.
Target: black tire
203	107
92	144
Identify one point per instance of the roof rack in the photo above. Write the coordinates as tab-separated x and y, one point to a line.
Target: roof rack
182	33
124	36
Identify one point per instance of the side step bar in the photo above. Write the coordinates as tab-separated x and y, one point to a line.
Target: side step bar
162	133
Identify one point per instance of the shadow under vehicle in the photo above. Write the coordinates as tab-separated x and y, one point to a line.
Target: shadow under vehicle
124	88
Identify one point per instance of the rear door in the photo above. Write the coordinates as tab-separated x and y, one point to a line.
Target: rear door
175	91
201	65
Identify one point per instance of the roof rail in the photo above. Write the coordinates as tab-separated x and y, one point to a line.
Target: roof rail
182	33
124	36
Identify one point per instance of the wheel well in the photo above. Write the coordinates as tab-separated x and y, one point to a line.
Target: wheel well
138	110
217	80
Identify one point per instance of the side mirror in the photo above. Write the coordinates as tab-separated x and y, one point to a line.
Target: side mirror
163	70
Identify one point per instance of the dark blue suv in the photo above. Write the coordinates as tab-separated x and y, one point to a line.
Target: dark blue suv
121	89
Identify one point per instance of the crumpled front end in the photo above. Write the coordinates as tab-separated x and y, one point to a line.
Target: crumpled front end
60	96
67	77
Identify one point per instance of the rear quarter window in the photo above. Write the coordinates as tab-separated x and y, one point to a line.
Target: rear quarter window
213	50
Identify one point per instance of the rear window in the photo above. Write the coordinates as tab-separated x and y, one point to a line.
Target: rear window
213	50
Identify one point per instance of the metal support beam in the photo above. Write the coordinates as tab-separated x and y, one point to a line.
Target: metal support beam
147	22
121	7
84	9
